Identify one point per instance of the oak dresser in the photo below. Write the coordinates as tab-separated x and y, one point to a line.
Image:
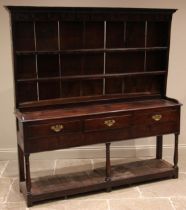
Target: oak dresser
85	76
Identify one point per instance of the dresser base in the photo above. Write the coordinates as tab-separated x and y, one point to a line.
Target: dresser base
81	182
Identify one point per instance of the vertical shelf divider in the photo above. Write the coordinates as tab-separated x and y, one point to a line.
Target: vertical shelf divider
145	59
82	58
59	56
36	59
124	43
104	55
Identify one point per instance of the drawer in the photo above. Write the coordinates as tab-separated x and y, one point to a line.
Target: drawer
53	128
148	117
105	123
157	130
156	122
53	142
104	136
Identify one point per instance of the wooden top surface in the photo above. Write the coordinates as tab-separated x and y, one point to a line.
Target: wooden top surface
90	9
93	109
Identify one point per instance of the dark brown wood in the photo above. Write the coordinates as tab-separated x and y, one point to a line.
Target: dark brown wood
27	170
108	166
159	147
28	181
107	123
53	128
91	51
176	151
21	164
56	46
97	109
87	76
125	174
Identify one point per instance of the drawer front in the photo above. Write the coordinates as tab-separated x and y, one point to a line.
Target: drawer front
107	135
63	133
156	122
53	142
156	116
107	123
53	128
150	130
74	140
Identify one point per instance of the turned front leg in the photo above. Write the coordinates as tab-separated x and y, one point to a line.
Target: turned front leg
28	180
159	147
176	151
108	167
21	164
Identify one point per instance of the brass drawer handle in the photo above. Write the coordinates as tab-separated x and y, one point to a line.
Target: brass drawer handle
109	123
57	128
157	117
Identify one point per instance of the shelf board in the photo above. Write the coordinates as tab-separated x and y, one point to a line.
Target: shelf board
97	50
59	102
81	182
93	76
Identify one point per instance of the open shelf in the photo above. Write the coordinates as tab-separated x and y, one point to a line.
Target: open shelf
46	35
71	35
82	88
123	34
27	91
48	66
157	33
75	183
149	84
125	84
114	86
156	60
26	67
81	34
125	62
89	58
95	76
86	64
24	36
95	50
48	89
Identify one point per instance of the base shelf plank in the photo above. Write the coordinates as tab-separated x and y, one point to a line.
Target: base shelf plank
81	182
